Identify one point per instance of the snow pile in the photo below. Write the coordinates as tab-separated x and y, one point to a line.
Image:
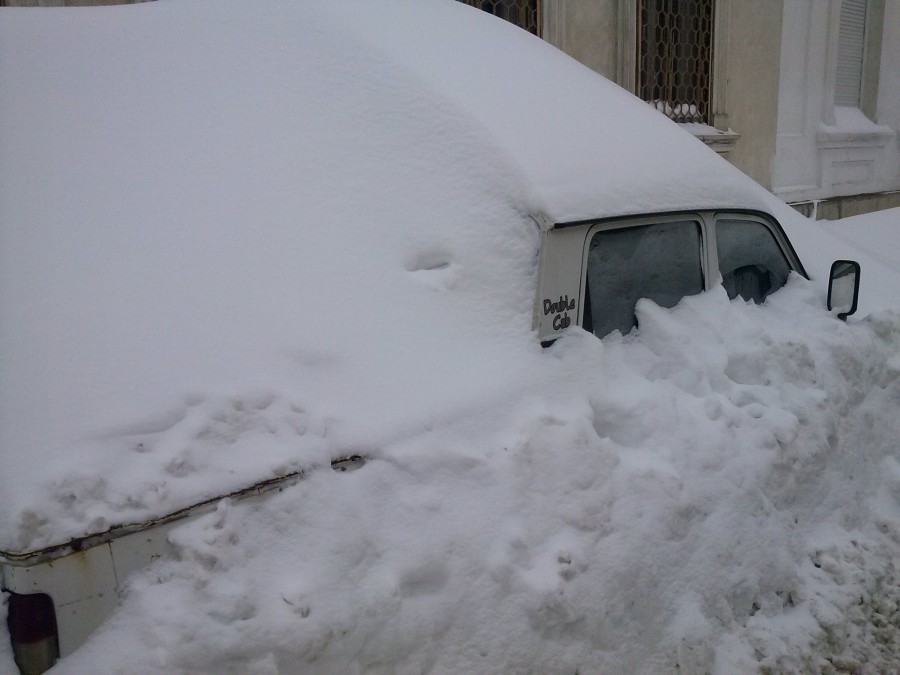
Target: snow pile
872	239
584	147
271	235
241	240
876	234
719	491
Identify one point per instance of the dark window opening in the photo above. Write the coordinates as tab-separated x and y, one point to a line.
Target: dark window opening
661	262
750	261
523	13
674	57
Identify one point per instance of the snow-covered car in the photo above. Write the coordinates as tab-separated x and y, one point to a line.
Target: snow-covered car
244	242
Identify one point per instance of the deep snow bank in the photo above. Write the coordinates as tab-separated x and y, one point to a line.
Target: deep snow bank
237	243
238	240
719	491
872	239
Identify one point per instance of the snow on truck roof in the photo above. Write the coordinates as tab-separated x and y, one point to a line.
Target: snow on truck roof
241	239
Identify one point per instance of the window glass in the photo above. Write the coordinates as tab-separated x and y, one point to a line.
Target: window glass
661	262
750	260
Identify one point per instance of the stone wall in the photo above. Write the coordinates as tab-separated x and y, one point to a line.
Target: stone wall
844	207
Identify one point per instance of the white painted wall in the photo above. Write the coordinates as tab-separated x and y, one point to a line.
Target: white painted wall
888	105
586	30
823	151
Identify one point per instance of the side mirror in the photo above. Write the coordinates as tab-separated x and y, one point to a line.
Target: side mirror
843	288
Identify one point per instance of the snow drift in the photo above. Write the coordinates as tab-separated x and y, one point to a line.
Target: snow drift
724	498
242	240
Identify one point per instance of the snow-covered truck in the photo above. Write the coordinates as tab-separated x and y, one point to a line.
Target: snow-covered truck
193	234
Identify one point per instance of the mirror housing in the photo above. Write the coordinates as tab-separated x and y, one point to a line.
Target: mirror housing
843	288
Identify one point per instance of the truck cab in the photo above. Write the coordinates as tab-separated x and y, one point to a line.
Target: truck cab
593	272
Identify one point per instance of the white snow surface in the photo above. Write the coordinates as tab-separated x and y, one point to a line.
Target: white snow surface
723	499
872	239
877	235
242	239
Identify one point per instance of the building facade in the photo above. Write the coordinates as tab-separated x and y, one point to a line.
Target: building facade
839	105
801	95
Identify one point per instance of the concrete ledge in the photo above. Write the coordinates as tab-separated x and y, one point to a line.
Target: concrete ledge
844	207
852	129
720	141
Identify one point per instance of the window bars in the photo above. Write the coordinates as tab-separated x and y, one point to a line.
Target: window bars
523	13
675	57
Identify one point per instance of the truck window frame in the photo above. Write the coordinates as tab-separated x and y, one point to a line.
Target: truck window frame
706	218
585	319
774	230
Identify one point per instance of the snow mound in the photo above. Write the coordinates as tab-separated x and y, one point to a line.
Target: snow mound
270	229
718	492
240	240
246	240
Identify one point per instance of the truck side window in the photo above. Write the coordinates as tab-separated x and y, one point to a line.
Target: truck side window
661	262
750	260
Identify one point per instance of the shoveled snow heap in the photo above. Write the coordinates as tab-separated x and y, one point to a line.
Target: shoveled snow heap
243	239
716	493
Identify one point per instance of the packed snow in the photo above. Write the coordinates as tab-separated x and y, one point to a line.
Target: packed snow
871	239
717	492
239	240
876	235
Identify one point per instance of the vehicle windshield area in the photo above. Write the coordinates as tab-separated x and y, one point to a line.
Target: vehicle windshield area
750	261
660	261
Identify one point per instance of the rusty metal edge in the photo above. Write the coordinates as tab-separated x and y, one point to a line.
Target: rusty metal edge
36	556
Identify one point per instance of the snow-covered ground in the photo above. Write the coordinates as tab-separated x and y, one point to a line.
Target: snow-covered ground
242	240
717	492
875	234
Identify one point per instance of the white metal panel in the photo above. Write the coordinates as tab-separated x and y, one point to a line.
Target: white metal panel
136	551
82	586
558	302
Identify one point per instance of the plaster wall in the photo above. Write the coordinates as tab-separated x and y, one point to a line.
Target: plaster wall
752	84
823	152
887	108
586	30
844	207
801	101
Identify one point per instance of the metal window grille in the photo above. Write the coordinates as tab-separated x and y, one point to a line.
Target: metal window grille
675	57
851	45
524	13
